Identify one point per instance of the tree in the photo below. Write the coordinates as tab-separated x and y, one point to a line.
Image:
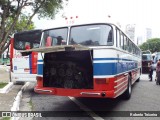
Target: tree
152	44
20	25
12	10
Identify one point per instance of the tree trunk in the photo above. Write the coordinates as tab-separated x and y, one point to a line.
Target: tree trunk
5	37
4	48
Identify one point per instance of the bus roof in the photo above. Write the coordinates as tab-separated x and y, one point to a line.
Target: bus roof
74	21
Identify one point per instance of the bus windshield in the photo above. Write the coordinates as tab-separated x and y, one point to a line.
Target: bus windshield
54	37
27	38
91	35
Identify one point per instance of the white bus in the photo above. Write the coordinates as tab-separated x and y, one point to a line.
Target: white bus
24	68
94	59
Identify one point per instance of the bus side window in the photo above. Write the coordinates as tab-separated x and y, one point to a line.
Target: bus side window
130	47
118	38
125	43
121	41
109	40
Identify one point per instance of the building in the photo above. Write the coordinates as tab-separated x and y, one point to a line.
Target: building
148	33
138	34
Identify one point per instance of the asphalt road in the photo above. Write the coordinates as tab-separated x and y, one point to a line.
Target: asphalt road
145	97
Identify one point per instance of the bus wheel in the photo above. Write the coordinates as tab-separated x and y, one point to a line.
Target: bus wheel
138	79
127	94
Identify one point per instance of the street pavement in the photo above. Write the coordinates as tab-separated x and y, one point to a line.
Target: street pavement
7	99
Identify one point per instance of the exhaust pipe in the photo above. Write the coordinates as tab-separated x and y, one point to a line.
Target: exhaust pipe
103	94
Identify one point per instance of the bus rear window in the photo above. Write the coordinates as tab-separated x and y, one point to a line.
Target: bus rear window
27	38
53	37
91	35
146	57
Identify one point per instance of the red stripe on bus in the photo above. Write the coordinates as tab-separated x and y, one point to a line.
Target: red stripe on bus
11	53
34	62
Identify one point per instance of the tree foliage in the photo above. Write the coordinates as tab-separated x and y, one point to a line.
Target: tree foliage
12	12
152	44
20	24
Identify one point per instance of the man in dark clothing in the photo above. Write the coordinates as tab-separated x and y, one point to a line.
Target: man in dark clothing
151	71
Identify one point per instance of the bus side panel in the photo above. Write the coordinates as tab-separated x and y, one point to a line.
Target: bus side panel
33	62
40	64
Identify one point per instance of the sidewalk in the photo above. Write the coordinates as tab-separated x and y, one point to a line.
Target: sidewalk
7	98
4	73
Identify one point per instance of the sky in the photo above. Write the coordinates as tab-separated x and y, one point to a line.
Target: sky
142	13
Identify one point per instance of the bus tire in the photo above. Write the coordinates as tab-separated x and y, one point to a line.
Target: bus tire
18	83
138	79
128	92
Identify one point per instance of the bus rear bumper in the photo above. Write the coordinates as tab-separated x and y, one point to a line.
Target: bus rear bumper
20	77
75	92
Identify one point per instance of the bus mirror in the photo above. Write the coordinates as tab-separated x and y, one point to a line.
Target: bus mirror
48	41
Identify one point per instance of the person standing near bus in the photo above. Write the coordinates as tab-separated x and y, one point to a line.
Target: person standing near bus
151	71
158	72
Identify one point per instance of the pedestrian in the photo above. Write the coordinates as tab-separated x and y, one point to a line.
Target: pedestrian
158	72
151	71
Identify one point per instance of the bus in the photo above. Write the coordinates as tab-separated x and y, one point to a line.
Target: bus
155	60
24	68
146	61
95	59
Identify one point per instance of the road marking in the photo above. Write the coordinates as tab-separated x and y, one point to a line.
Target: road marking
84	108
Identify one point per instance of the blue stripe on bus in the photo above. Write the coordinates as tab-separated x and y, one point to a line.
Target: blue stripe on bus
105	68
113	68
40	69
40	60
97	59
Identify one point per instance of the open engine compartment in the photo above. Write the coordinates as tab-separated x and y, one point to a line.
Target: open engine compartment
68	69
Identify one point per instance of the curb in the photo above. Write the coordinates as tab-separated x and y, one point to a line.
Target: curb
17	101
6	88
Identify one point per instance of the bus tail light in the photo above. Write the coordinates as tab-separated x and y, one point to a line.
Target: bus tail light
26	69
102	80
39	81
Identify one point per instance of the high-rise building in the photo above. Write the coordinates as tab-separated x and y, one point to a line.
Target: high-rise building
137	34
148	33
130	31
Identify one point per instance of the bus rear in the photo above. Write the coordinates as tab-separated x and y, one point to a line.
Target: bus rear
24	68
146	62
87	62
